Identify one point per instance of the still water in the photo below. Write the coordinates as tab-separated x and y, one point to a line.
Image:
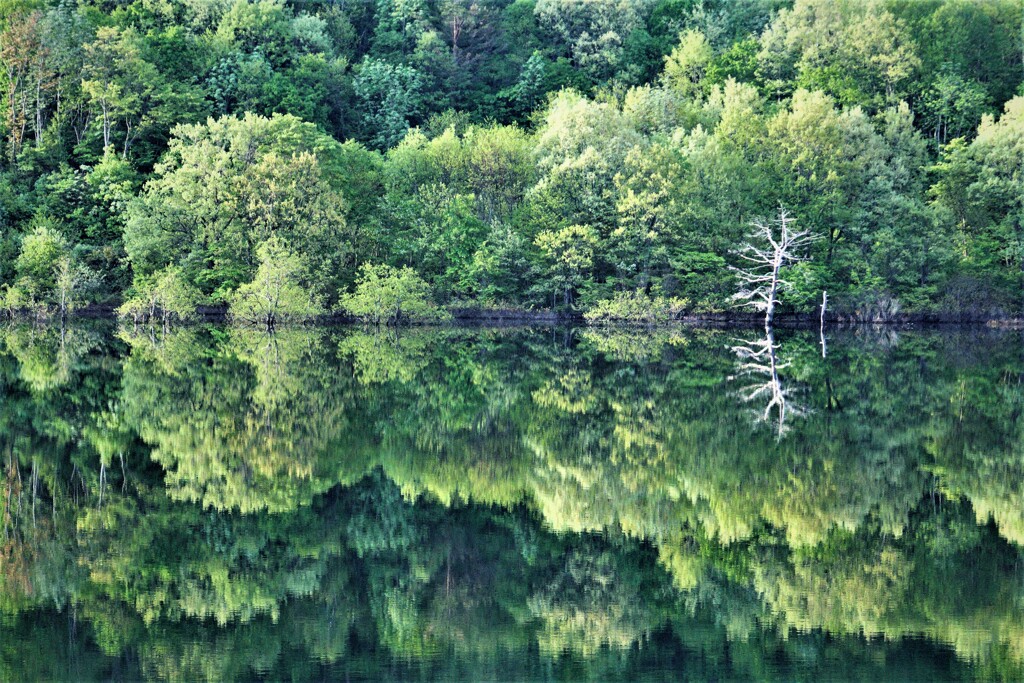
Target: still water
524	504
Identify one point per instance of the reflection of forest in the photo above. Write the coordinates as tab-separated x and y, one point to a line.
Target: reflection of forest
206	502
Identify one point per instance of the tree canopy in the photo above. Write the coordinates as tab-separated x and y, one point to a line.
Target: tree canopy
526	154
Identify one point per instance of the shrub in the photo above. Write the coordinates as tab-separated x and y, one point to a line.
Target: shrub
636	307
874	306
168	296
391	296
276	293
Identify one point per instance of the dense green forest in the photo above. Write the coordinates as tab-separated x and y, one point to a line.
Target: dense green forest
387	157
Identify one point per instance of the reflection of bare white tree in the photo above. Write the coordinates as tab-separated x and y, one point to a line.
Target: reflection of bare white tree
759	363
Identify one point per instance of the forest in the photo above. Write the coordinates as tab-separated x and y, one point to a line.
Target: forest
399	159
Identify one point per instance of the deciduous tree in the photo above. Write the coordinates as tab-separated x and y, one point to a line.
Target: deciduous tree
276	294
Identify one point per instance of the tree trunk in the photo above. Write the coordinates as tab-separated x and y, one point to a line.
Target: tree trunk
769	311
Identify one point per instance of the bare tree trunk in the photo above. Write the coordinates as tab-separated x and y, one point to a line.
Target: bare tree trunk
773	294
821	323
35	488
106	125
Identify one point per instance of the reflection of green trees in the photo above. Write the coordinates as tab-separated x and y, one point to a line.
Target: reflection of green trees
533	489
654	446
385	356
172	561
241	426
977	443
476	587
47	356
52	382
596	597
946	579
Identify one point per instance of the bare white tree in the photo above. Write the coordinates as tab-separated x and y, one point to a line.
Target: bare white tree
758	362
821	323
773	244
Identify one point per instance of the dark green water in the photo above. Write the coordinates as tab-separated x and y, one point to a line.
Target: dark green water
216	504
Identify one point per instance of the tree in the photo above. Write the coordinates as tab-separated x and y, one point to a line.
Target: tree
37	262
593	31
400	24
952	106
49	273
527	91
31	78
979	188
167	295
635	307
71	281
569	253
500	270
470	31
276	294
828	163
857	52
686	65
120	84
391	98
226	186
762	280
579	149
640	244
491	165
176	298
390	296
499	170
263	26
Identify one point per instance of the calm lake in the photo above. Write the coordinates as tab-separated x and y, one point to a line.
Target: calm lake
511	504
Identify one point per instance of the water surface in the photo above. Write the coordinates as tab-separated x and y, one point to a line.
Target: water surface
547	504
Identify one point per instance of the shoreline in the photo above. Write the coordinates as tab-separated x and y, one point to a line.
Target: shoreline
470	316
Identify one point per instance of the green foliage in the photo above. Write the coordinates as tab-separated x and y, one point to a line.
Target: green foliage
36	266
687	64
276	293
390	296
72	282
569	256
390	98
952	107
637	308
593	31
226	186
979	190
662	126
167	296
49	274
510	502
501	269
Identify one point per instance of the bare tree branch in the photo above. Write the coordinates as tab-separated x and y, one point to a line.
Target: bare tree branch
763	279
